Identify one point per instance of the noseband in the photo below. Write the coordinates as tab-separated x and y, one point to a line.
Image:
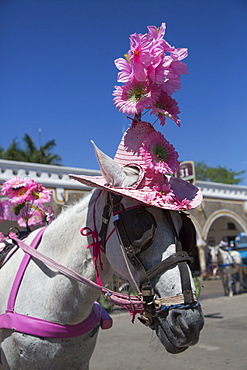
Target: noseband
136	228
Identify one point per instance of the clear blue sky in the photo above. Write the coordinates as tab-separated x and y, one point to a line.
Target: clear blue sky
57	74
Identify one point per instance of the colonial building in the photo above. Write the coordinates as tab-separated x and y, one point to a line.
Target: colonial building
222	215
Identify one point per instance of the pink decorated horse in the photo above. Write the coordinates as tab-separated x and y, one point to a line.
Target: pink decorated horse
49	318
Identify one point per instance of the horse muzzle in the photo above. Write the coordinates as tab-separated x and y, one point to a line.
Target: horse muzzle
178	329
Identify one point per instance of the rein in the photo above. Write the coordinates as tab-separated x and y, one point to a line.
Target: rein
132	304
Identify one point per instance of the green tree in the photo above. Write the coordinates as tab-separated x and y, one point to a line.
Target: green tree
11	152
30	153
217	174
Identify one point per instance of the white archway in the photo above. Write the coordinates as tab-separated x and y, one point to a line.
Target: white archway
202	234
200	244
199	238
222	213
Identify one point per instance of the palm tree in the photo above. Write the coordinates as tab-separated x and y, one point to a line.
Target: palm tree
31	153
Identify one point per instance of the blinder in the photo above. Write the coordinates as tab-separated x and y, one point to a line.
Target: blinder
187	234
140	227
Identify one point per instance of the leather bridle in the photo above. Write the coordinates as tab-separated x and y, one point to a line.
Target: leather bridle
136	228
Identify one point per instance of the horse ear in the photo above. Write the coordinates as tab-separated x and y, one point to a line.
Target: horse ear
114	173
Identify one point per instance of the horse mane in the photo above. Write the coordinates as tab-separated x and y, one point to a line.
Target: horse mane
77	208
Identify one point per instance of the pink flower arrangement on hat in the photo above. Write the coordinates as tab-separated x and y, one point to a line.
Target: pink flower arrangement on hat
159	154
25	203
150	73
161	193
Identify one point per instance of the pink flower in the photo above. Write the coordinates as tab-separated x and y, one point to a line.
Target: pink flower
159	154
25	203
35	215
125	67
34	218
139	55
16	189
178	54
1	211
181	203
158	70
152	67
38	194
161	194
49	214
26	211
172	82
157	33
164	107
11	211
135	96
178	68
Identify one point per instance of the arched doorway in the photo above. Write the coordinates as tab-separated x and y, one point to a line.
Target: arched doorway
222	225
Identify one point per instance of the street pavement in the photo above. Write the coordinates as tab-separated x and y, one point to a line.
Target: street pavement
222	344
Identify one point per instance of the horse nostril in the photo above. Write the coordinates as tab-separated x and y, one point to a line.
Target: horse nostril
178	319
187	323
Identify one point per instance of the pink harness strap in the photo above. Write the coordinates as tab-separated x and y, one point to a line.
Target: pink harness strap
24	263
43	328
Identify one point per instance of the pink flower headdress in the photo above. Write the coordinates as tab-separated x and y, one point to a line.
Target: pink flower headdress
150	73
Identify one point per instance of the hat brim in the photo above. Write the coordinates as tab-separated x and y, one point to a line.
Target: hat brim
182	189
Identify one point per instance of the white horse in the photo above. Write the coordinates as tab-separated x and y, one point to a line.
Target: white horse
48	295
229	268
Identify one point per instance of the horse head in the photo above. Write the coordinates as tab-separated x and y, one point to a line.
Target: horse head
213	252
218	254
144	244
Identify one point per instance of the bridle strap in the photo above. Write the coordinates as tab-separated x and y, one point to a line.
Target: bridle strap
105	220
146	286
182	265
168	263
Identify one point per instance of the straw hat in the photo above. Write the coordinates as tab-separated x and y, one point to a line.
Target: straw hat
147	157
